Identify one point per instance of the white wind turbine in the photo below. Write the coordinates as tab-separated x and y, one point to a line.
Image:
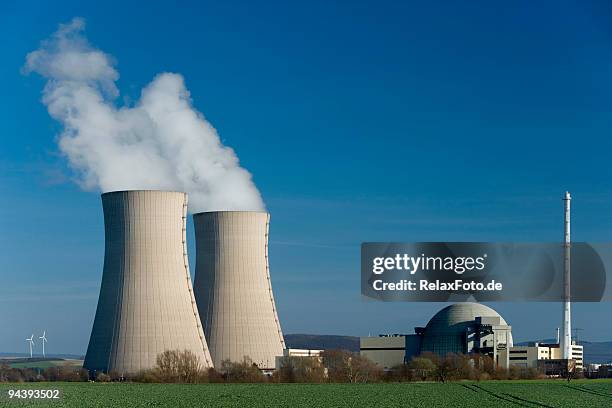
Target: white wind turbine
31	341
44	340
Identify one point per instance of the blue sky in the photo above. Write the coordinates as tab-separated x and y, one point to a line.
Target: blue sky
360	121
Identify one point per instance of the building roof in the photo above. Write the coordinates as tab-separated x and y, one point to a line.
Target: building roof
455	318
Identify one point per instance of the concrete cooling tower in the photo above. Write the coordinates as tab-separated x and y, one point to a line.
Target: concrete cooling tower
146	303
233	289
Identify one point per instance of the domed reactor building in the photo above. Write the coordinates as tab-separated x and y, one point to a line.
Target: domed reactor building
466	328
233	288
146	304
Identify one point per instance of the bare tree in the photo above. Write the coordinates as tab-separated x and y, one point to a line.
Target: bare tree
300	369
401	373
459	366
245	371
179	366
422	366
336	362
443	370
362	370
344	366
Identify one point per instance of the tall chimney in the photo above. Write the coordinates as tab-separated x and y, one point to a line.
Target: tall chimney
566	328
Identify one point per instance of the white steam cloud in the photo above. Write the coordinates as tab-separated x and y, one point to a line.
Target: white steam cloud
161	142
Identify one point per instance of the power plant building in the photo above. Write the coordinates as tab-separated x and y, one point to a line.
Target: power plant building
534	354
146	304
233	288
390	350
466	328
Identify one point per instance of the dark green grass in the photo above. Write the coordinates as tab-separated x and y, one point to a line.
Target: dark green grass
579	393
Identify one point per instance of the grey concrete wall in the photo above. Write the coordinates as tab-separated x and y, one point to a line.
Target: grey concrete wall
233	288
146	303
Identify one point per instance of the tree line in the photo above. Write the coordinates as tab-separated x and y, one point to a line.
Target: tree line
335	366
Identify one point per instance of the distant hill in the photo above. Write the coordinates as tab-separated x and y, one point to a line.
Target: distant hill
597	352
322	342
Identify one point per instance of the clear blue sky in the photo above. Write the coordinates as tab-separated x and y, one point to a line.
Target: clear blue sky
360	121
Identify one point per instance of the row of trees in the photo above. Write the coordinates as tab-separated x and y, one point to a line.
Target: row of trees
333	366
342	366
338	366
432	367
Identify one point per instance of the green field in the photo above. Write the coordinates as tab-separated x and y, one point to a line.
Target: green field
45	364
593	393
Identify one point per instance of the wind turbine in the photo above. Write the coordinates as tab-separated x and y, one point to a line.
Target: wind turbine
31	341
44	340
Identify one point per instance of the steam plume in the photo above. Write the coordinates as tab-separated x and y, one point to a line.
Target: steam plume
161	142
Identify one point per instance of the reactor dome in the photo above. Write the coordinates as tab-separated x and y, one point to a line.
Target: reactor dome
466	328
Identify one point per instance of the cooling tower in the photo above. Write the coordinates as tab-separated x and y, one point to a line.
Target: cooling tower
146	303
233	289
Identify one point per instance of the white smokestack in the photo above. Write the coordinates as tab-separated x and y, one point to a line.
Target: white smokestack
566	327
161	142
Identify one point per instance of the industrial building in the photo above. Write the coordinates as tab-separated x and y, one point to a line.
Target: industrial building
294	352
146	303
390	350
596	370
467	328
233	288
299	353
532	355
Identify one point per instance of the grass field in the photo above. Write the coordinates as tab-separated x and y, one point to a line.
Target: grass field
580	393
46	363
